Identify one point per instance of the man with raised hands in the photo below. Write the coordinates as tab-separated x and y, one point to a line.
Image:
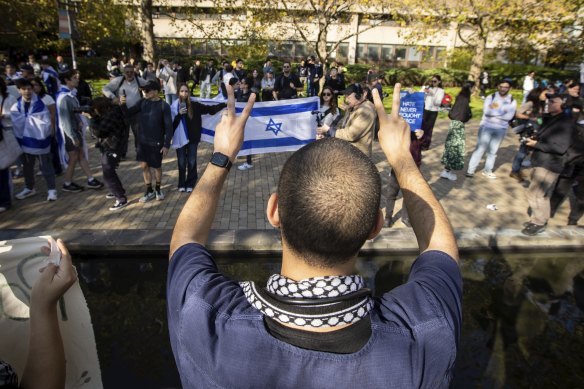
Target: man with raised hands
315	324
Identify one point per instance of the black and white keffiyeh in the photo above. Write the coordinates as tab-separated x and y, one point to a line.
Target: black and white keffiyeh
317	302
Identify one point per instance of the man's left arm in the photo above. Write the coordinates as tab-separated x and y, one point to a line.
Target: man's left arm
168	128
195	220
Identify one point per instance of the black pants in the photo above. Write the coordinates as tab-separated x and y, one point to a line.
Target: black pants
428	121
132	123
109	164
563	187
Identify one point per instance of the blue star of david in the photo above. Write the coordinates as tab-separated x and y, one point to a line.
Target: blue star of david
273	126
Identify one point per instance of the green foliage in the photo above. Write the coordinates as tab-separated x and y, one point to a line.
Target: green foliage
356	72
498	71
417	77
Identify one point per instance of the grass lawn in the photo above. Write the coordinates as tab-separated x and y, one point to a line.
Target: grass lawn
476	102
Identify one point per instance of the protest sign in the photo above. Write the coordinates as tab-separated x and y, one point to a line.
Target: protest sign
412	109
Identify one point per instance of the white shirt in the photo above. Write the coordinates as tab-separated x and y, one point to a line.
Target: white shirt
48	100
528	84
433	99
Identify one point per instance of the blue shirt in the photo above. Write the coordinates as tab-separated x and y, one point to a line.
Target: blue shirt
219	340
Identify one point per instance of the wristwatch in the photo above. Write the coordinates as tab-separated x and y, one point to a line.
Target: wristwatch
221	160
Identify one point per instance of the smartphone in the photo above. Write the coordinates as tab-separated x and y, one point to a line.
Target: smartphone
124	92
182	106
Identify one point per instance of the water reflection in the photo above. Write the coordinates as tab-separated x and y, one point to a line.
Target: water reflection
523	317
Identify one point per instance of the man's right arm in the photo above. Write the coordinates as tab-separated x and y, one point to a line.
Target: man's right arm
429	221
109	89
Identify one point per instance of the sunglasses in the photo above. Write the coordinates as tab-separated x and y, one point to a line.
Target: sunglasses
434	81
327	94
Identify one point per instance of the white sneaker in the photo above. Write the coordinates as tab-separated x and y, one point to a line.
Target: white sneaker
25	193
189	190
3	209
526	163
159	195
182	189
448	175
490	175
52	196
244	166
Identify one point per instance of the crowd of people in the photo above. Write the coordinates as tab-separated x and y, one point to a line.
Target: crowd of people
316	308
49	112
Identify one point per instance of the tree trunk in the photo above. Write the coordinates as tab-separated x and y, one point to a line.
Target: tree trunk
147	30
478	59
323	57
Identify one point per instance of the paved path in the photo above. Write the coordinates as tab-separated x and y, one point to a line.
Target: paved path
243	199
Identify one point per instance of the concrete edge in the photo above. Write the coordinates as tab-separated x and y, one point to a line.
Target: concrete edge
241	243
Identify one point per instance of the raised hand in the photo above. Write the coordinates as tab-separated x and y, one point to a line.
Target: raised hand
229	131
394	132
54	280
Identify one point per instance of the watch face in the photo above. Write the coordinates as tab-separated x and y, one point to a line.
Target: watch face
221	160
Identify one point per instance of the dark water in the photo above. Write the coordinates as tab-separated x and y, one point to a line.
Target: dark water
523	318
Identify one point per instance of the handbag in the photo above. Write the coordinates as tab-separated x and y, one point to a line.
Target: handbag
9	147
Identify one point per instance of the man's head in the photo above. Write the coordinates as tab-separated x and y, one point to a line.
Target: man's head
353	95
150	66
334	73
286	68
239	63
59	59
31	58
129	72
27	71
24	88
225	64
503	87
151	89
555	103
327	202
531	73
10	69
69	78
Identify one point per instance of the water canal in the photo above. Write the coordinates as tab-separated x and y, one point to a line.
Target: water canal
523	317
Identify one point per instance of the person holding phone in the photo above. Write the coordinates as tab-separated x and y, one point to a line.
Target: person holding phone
187	125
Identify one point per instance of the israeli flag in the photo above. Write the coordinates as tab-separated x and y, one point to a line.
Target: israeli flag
272	127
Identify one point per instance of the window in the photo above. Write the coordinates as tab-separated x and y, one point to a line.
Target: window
301	50
400	54
386	52
343	51
361	51
214	47
414	55
373	52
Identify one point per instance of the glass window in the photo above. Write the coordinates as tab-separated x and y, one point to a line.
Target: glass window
373	52
400	54
414	55
328	49
386	52
301	50
360	51
214	47
343	51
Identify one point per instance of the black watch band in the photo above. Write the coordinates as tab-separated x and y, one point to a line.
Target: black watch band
221	160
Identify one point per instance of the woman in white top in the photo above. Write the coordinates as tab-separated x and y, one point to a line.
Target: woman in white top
6	102
432	103
329	110
268	86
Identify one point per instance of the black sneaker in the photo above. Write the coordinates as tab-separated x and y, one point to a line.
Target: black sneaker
73	187
533	229
118	205
94	184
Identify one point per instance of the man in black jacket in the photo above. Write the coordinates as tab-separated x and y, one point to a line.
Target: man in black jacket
108	125
553	140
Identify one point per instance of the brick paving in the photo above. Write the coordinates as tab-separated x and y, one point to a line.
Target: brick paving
243	199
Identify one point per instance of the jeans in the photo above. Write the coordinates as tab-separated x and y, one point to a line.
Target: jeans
313	88
519	157
565	188
46	165
205	90
171	98
489	140
109	164
187	156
